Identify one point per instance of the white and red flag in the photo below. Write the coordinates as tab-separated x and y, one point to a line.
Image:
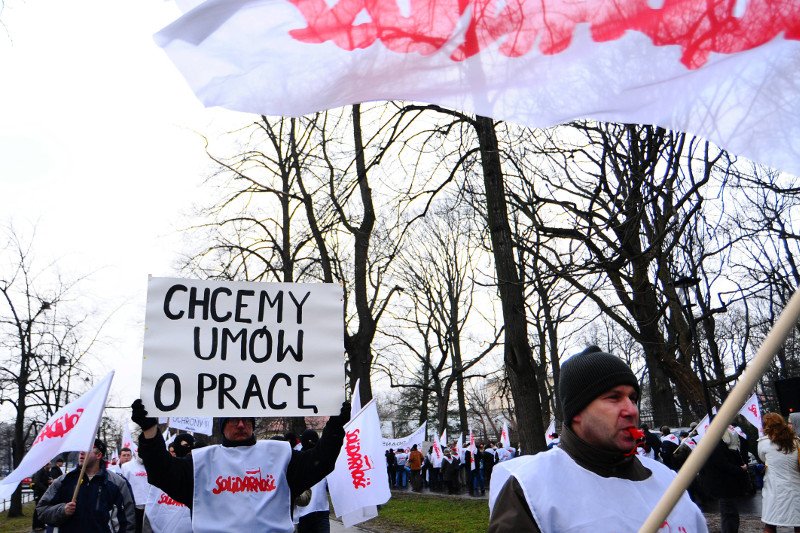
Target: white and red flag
71	429
550	432
460	447
726	70
504	438
472	450
751	410
358	482
127	439
438	452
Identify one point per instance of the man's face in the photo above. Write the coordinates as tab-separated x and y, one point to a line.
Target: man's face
238	429
124	457
604	423
92	460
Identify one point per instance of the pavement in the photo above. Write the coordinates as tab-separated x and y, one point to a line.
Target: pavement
338	527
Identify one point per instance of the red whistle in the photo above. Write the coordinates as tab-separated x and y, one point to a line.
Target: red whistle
636	433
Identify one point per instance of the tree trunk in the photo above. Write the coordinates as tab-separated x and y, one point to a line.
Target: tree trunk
517	352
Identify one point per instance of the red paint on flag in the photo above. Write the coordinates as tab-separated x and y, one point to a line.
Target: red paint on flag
58	427
699	28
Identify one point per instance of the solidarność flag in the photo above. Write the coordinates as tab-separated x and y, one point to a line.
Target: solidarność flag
726	70
71	429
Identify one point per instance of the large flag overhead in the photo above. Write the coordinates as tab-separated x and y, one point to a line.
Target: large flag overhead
726	70
71	429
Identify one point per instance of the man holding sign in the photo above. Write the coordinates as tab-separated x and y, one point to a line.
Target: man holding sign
243	484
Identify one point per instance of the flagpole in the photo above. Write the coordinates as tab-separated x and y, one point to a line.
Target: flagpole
80	476
736	399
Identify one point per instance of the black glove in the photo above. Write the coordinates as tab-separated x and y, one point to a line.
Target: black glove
139	415
344	415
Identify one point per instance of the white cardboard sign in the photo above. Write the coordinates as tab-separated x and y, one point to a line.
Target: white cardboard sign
192	423
221	348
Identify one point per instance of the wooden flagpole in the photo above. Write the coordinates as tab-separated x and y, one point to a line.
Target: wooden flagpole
80	476
736	399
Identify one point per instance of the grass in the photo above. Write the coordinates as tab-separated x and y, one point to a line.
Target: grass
432	514
20	524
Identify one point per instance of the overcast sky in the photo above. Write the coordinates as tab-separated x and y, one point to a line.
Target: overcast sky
99	149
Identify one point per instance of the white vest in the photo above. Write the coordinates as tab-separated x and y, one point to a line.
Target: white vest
242	488
319	500
136	475
165	514
566	498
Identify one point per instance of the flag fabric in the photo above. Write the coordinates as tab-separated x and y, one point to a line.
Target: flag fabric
504	438
728	71
751	410
127	439
550	432
437	451
472	450
416	437
443	438
460	448
359	479
72	428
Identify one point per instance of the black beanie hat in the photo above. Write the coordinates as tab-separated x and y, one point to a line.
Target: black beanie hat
100	446
183	444
587	375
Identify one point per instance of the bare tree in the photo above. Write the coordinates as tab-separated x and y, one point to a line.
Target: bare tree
41	353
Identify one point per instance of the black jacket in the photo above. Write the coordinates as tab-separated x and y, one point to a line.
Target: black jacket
175	475
100	499
723	476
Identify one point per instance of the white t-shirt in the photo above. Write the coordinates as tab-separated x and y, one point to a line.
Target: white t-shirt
136	475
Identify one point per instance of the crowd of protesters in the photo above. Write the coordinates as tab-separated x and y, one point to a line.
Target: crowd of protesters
456	472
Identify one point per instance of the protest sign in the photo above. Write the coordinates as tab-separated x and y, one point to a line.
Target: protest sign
220	348
193	424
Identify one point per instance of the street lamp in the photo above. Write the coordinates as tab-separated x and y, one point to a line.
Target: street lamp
684	284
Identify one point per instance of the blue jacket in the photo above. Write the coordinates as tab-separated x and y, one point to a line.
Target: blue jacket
104	505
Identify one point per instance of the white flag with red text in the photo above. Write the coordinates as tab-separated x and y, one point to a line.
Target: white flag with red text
437	452
549	434
127	439
472	450
751	410
71	429
504	438
359	478
728	71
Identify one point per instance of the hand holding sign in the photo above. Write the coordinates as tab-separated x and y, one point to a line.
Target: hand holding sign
139	415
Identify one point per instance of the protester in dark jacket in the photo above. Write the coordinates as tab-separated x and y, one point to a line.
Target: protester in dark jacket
104	504
725	477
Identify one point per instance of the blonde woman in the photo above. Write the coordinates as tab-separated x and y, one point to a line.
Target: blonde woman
778	448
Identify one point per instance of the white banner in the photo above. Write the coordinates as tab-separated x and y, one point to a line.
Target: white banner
193	424
751	410
218	348
71	429
727	71
416	437
359	478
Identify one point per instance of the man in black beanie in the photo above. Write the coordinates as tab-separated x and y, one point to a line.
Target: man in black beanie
593	480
